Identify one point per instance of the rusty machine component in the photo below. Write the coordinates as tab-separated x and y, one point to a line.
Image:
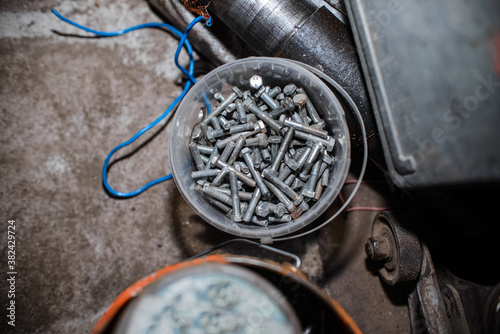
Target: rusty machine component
439	302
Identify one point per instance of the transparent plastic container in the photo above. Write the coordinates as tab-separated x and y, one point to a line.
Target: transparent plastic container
275	72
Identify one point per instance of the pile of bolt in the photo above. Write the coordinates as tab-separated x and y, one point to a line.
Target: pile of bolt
271	146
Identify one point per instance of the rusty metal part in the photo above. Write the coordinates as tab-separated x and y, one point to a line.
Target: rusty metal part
398	247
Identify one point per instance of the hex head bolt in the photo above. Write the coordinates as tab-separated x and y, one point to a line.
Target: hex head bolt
233	182
311	159
224	123
379	248
295	211
247	217
244	196
269	101
223	143
329	142
236	151
311	110
212	192
246	154
199	174
215	113
195	153
219	204
256	82
282	149
227	151
250	126
308	190
259	222
220	164
285	219
307	129
269	175
214	152
257	158
224	172
263	209
266	155
240	109
252	107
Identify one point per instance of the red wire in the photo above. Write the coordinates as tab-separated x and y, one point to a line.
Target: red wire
368	208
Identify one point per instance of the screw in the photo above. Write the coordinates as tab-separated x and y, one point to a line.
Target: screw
218	163
269	175
204	173
252	107
236	151
305	128
379	248
240	109
221	176
233	181
295	212
256	82
227	151
245	153
311	183
247	217
195	153
282	149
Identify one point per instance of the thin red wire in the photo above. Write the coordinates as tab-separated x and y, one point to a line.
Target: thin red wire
368	208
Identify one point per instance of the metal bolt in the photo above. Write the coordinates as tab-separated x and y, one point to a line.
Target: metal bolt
204	173
379	248
269	175
258	93
289	180
233	181
244	196
218	96
222	143
274	139
291	163
252	107
285	219
240	109
329	142
305	128
215	113
256	82
221	164
325	178
227	151
195	153
236	151
196	133
247	217
275	113
214	152
284	173
300	100
296	117
238	92
212	192
282	149
318	190
274	92
257	158
259	222
311	183
289	89
310	160
295	212
269	101
288	103
221	176
297	184
224	123
263	209
266	155
246	154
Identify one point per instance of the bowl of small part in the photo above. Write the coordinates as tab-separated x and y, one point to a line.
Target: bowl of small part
271	155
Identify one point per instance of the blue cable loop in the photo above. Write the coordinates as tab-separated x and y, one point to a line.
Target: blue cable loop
189	73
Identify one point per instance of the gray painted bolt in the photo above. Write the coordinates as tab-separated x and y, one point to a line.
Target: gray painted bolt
285	219
204	173
256	82
240	109
227	151
269	175
221	176
282	149
233	181
305	128
246	154
236	151
195	153
247	217
295	212
329	142
220	164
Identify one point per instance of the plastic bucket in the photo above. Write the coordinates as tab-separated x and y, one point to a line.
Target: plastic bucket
275	72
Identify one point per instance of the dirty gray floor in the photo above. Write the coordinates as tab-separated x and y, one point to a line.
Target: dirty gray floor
66	100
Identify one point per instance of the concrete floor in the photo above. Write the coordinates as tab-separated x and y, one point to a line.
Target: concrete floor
66	101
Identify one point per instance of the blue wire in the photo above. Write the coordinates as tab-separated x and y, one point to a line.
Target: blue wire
188	73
